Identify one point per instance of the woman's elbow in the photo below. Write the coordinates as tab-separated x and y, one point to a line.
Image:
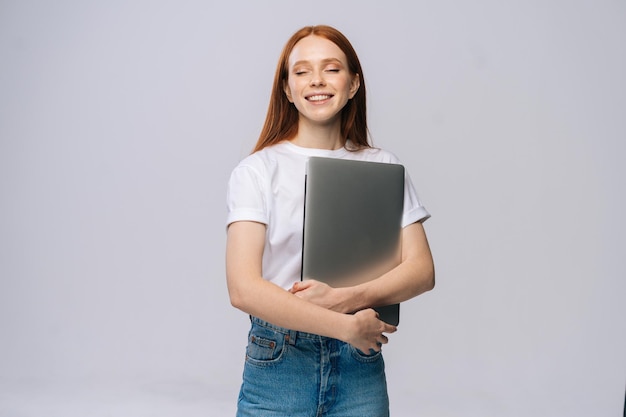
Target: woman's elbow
428	279
430	283
236	300
237	297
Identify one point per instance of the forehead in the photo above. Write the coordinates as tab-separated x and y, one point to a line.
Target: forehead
314	49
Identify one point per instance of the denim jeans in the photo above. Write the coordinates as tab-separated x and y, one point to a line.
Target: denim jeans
295	374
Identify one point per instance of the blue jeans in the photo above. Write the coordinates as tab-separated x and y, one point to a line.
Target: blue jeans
295	374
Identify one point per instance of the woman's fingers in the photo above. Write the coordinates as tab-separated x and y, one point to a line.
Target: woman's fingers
370	331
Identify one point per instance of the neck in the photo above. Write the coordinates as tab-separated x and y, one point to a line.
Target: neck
319	136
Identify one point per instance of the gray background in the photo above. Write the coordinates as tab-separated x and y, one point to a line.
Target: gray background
119	125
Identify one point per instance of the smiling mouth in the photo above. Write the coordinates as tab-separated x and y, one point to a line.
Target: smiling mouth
319	97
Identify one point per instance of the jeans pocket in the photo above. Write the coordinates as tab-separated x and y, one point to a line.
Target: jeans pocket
366	357
265	346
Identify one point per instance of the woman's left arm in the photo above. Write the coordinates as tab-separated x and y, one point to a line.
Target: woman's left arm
412	277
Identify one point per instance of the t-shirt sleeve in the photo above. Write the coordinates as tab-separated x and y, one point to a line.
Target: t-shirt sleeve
245	198
414	211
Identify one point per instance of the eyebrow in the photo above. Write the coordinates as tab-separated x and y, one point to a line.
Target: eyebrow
324	61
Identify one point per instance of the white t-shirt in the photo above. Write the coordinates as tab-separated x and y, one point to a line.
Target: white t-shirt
268	187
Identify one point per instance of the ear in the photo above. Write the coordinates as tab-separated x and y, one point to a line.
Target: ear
287	91
354	85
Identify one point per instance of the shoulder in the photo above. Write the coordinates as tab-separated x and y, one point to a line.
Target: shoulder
259	162
376	155
272	164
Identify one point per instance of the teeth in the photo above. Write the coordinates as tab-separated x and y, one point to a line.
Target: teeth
319	97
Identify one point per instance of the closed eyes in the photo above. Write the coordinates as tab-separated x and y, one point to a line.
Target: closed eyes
304	71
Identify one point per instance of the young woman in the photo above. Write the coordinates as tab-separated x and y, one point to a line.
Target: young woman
307	354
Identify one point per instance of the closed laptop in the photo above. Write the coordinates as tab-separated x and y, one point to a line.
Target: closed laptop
352	223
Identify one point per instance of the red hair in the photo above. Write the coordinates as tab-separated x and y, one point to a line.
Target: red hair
281	122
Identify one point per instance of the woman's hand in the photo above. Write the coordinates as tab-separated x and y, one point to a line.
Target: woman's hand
251	293
367	331
321	294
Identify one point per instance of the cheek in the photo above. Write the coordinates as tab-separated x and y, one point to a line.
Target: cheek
289	91
296	85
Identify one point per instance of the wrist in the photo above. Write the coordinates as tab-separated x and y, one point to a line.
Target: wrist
352	299
344	328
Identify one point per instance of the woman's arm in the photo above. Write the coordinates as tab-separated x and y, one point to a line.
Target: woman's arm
415	275
251	293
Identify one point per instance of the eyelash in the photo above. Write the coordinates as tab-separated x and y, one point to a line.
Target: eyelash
333	70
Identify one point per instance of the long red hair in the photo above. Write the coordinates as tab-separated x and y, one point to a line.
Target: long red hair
281	122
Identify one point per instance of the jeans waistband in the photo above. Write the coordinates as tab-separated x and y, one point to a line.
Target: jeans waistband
263	323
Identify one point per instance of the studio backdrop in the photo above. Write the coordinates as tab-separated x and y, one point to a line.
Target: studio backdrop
121	121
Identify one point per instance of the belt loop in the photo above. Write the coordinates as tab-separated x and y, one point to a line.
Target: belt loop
291	337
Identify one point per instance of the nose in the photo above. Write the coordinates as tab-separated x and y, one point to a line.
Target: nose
317	79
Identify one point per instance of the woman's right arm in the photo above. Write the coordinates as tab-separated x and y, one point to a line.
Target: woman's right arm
254	295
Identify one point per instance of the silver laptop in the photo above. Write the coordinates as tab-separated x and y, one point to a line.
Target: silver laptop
352	223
